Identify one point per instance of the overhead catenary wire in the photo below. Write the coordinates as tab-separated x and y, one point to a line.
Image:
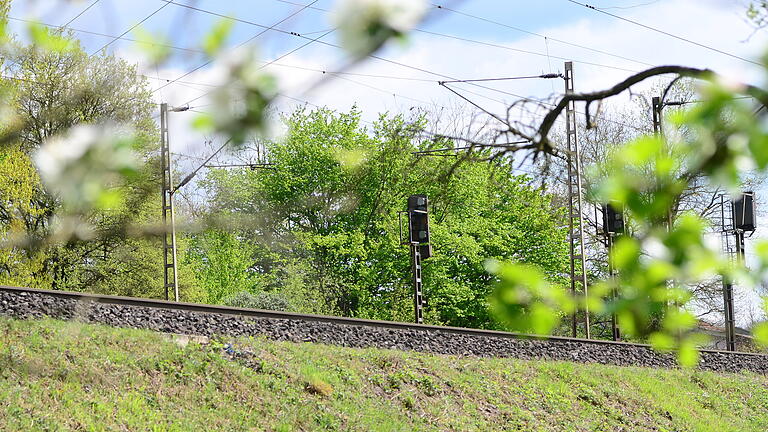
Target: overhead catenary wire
79	15
666	33
304	45
543	76
373	56
441	7
189	177
130	29
274	62
199	51
508	48
631	6
474	104
546	37
272	28
265	29
171	81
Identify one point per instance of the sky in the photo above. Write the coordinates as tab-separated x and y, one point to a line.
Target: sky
516	38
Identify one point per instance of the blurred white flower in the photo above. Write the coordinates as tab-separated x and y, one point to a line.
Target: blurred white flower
241	101
654	247
365	25
84	166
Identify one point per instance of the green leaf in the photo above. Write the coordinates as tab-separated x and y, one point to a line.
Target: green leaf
760	332
155	46
625	253
688	354
44	38
662	341
203	123
217	36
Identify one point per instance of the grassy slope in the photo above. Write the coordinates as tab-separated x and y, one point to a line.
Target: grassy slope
58	375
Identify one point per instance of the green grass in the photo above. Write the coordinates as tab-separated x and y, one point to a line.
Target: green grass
58	375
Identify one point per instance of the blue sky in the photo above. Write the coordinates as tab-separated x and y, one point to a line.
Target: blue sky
557	19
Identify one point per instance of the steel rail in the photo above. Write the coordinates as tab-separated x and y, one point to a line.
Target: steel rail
260	313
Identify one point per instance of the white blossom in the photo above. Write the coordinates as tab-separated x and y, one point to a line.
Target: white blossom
365	25
81	166
240	101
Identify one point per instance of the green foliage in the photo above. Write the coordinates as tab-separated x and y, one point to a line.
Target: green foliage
222	263
664	257
104	177
49	40
760	332
156	47
526	299
326	215
215	39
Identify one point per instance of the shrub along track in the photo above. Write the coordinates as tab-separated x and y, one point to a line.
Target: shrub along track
208	320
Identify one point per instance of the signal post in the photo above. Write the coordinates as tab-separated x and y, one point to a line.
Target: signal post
418	241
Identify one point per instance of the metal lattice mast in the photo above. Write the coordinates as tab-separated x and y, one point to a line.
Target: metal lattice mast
656	114
732	250
170	272
418	299
575	215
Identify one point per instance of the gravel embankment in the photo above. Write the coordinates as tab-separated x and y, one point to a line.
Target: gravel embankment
32	305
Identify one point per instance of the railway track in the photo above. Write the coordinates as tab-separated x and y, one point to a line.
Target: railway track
209	320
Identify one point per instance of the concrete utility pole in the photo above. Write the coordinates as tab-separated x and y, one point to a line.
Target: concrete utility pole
575	215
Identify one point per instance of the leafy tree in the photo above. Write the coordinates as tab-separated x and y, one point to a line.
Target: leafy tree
53	91
330	205
222	263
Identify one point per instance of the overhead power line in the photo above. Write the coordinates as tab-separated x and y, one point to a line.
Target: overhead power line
310	5
265	29
474	104
549	38
123	38
199	51
666	33
80	14
339	74
632	6
273	61
317	40
131	28
508	48
544	76
374	56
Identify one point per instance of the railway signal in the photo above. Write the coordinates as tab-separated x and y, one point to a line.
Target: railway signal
613	220
613	225
418	241
742	221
